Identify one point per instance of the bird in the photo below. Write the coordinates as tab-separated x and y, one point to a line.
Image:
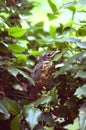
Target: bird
42	73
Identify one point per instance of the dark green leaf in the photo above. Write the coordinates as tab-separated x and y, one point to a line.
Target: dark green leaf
4	111
16	31
81	31
4	47
12	70
52	6
1	2
26	76
70	102
40	127
81	74
43	100
81	90
15	123
61	44
46	117
12	106
53	94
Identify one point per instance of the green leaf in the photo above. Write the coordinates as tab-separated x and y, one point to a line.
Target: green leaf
32	116
51	16
61	44
12	106
82	2
4	47
81	74
47	117
26	76
70	102
70	23
53	6
53	94
81	90
12	70
4	111
52	31
16	31
74	126
16	48
42	100
68	4
57	56
81	31
1	2
21	58
67	65
34	52
81	45
82	117
15	123
72	8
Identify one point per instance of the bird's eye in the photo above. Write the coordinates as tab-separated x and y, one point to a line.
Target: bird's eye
49	54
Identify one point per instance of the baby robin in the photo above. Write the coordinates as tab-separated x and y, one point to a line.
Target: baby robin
42	73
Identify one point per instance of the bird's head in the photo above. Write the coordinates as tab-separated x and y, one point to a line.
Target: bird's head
48	56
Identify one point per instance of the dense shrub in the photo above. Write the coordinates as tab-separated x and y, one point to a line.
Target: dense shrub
20	45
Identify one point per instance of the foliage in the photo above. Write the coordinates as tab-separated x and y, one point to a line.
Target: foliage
20	45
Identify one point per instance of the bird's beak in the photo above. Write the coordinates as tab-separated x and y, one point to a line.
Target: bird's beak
55	53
